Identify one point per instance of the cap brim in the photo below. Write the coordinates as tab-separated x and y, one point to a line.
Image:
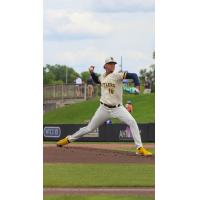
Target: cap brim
111	62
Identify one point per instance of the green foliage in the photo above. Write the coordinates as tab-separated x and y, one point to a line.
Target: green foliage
48	77
58	82
144	110
143	74
53	74
71	75
85	76
98	175
149	74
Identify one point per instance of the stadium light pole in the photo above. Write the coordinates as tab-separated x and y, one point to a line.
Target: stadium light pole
121	63
66	74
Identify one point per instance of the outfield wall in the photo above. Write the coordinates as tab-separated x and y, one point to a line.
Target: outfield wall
105	133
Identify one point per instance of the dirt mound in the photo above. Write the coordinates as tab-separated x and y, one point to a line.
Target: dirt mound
110	146
72	154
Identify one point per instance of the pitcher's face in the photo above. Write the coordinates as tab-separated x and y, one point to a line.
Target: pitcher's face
109	67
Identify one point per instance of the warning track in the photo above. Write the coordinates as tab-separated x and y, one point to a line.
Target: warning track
101	191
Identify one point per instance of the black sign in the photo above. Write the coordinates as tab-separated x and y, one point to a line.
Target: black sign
106	132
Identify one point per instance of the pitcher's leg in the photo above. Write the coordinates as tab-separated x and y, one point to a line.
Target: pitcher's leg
122	114
99	117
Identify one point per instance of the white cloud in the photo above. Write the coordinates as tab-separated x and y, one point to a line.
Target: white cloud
75	24
102	5
79	35
135	55
123	5
81	57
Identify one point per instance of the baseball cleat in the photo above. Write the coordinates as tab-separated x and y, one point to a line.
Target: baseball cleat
62	142
142	151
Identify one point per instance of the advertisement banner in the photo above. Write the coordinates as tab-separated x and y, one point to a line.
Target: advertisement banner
105	133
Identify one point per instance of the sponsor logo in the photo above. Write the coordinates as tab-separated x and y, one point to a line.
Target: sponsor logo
52	132
126	134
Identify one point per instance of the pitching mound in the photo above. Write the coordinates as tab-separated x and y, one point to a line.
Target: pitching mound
72	154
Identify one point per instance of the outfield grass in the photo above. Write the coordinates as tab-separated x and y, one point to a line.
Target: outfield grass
144	110
99	197
98	175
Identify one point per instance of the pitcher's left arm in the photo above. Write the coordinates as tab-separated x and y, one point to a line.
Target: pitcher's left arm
134	77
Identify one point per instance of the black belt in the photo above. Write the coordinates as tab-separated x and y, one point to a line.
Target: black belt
110	106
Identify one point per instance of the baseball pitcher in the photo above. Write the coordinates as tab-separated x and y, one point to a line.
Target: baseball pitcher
111	105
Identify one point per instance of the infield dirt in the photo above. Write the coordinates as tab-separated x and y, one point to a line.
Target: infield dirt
92	153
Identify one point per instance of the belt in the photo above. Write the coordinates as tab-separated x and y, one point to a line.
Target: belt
110	106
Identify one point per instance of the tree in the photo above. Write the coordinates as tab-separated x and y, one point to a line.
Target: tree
48	77
154	55
71	75
59	71
58	82
56	74
149	73
85	76
143	74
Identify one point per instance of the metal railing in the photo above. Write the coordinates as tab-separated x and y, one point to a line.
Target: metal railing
69	91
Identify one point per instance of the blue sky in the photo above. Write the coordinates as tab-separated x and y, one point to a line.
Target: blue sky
80	33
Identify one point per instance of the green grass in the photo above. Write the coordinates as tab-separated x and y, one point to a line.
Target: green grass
144	110
98	175
99	197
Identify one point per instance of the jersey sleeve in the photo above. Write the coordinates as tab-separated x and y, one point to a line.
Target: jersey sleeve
134	77
121	75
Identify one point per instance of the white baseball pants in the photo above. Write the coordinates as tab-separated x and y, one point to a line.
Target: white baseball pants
104	113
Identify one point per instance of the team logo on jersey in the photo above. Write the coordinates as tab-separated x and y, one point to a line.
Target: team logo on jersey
106	85
109	86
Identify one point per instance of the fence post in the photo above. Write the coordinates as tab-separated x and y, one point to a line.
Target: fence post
44	92
54	91
85	91
62	94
